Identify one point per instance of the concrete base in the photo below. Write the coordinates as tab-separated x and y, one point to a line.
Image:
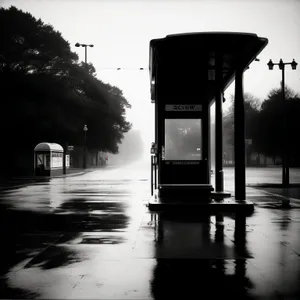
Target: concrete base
210	207
220	195
198	192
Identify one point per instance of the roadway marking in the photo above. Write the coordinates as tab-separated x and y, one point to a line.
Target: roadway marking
280	196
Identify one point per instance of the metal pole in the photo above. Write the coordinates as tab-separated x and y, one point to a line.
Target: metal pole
285	163
283	129
85	59
64	158
84	151
85	48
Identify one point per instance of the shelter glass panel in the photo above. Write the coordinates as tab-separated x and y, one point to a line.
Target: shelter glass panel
183	139
57	160
40	159
47	161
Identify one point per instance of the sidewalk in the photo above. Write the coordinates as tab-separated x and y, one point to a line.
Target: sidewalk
272	191
19	181
270	195
274	197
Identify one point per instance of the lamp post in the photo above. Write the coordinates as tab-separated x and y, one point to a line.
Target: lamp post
85	129
85	48
285	160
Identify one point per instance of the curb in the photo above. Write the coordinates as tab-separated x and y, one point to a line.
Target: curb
30	180
273	185
41	178
290	199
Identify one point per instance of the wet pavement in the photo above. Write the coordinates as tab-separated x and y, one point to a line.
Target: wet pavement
92	237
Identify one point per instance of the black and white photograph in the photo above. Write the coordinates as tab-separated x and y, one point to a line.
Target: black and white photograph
150	149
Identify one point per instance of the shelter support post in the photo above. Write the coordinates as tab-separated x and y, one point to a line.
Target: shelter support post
208	131
219	178
239	137
155	172
152	165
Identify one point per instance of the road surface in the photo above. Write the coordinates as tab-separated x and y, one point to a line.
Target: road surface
91	237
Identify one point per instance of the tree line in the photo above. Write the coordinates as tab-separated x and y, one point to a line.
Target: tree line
264	124
47	94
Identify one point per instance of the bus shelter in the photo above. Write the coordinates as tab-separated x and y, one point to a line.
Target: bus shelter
49	159
188	73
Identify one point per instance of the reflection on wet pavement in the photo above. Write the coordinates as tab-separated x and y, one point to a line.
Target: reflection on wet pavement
90	238
53	257
191	278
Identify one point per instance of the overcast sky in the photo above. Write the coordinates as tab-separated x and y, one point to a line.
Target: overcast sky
121	30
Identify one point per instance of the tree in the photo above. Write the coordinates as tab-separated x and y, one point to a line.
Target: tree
29	44
269	137
252	108
47	95
264	124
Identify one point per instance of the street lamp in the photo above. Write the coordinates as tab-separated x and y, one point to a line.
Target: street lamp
285	164
85	129
85	48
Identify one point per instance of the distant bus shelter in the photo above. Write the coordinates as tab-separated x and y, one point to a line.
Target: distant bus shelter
49	159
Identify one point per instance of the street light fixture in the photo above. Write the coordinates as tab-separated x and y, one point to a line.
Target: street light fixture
294	65
85	129
85	49
270	64
281	64
285	164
